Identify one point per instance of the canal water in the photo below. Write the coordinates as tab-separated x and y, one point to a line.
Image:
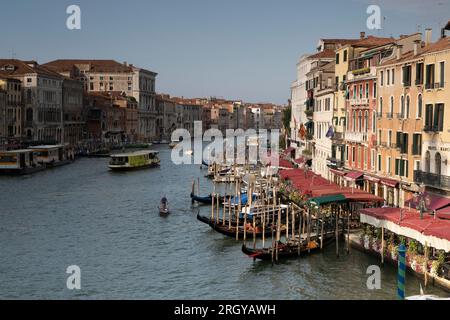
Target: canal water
108	224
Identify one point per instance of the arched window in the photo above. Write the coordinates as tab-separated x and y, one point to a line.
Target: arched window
408	100
29	115
419	106
374	122
427	161
366	121
354	121
438	161
402	106
360	121
391	106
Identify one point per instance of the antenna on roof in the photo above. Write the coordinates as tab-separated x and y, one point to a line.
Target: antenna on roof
13	54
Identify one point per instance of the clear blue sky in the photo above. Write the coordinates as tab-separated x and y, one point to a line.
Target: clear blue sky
239	49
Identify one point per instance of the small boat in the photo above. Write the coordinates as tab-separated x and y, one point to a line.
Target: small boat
134	160
164	207
286	250
205	200
223	228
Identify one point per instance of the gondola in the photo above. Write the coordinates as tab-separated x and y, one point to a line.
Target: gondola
231	232
286	250
204	200
164	208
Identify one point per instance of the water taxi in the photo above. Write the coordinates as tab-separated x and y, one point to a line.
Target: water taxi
134	160
52	155
19	162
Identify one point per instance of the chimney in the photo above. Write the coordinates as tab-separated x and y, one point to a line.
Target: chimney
362	34
416	46
125	64
428	36
399	51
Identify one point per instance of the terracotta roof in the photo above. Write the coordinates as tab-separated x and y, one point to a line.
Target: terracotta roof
14	67
372	41
340	41
327	53
67	65
440	45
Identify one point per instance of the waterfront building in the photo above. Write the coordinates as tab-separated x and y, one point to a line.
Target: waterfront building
433	169
11	111
302	94
323	116
344	55
73	117
42	99
109	76
399	123
298	100
105	119
167	116
3	122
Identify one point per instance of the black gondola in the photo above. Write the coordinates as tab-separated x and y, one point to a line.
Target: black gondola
224	229
286	250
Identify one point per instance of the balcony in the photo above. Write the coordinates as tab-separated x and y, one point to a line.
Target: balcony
432	179
338	136
335	163
400	116
389	115
359	137
309	113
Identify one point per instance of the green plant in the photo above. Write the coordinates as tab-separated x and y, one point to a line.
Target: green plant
413	247
441	256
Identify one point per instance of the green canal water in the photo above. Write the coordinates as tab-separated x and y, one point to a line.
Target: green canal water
108	224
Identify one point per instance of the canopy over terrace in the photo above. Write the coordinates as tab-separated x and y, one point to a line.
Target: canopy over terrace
407	222
312	185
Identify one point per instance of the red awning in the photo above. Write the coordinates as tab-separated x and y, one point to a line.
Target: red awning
285	164
354	175
389	182
436	202
300	160
338	172
371	178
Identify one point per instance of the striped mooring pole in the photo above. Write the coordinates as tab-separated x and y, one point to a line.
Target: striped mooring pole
401	272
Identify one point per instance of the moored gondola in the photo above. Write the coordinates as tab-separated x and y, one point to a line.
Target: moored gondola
224	228
286	250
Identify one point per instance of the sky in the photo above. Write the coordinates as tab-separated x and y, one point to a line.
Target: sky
236	49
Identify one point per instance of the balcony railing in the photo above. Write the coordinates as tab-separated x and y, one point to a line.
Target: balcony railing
389	115
400	116
356	136
334	162
432	179
338	136
430	128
